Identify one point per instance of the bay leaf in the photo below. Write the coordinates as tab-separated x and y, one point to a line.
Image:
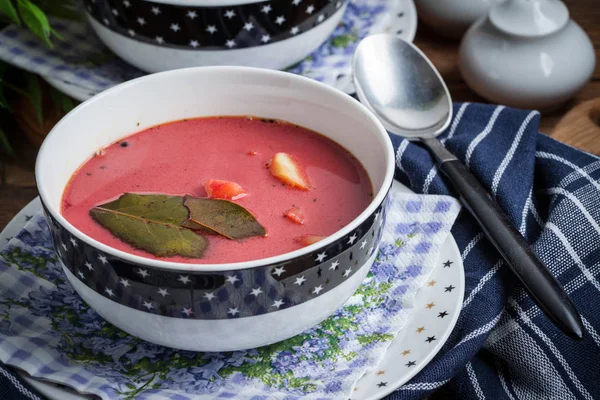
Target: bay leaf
224	217
153	223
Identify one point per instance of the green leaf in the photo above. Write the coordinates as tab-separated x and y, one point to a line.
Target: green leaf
35	20
151	223
157	207
56	34
34	92
60	9
344	40
66	104
7	8
61	100
5	146
224	217
3	101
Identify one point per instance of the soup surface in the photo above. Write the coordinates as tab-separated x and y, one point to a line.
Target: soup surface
179	158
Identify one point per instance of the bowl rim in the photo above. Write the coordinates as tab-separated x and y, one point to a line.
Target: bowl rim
346	102
207	3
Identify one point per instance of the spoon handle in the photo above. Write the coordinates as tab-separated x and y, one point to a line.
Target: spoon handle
545	290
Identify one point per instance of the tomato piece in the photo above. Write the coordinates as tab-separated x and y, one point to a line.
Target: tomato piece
217	189
295	215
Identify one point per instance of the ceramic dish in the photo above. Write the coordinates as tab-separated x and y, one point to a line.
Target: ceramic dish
330	63
408	353
123	287
527	54
160	35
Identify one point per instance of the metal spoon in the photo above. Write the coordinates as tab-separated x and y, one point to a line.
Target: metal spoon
397	82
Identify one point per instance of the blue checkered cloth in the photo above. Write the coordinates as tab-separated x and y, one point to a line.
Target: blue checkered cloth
503	347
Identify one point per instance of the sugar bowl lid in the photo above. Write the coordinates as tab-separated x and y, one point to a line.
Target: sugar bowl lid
529	18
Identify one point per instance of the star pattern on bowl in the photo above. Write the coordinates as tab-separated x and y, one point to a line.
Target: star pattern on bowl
226	27
220	295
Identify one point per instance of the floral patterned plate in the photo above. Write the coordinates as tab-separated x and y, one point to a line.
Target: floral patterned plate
437	307
330	64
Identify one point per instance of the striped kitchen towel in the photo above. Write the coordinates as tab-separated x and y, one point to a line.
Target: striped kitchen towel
503	347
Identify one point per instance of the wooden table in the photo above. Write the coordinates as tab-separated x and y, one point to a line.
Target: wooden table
20	188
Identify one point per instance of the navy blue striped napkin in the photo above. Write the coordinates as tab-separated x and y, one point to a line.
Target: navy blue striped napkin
503	347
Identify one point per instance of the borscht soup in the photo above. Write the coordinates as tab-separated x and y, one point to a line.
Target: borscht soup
217	190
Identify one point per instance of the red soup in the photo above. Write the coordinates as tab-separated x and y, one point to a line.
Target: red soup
217	190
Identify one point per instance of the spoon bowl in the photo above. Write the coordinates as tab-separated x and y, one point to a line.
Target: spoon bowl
399	84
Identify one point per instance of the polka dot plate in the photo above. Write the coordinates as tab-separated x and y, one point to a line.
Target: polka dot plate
437	308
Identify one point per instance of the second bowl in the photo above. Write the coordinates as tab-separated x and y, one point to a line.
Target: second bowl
161	35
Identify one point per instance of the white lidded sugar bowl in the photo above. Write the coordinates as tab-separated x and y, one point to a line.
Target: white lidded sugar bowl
527	54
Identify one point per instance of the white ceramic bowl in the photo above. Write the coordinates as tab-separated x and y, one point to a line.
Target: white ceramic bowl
160	35
191	318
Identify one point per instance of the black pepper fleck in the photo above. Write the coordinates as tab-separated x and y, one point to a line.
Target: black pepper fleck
88	173
102	167
124	144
